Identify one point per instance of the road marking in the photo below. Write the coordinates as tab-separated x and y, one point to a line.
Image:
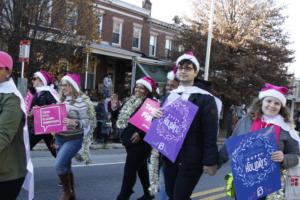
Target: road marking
98	164
198	194
215	197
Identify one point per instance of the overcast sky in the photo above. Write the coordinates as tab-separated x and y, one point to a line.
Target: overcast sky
165	10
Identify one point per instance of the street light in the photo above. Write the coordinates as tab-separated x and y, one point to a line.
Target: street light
208	47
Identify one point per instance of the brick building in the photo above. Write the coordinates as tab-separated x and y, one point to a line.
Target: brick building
133	45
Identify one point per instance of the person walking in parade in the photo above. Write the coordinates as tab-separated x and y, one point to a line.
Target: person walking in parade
132	138
270	110
199	152
44	94
69	143
14	140
155	165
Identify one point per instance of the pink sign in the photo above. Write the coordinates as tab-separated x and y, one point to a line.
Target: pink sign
28	101
49	119
143	117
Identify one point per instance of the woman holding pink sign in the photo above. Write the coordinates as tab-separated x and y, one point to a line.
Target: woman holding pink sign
132	138
69	143
44	94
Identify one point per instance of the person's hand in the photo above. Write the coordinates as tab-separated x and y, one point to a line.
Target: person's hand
135	138
277	156
29	114
70	122
157	113
210	170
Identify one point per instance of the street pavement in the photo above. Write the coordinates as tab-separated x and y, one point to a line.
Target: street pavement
101	180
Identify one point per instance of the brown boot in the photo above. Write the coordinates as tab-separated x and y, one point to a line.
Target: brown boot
68	193
72	183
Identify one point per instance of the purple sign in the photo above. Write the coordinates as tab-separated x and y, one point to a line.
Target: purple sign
167	133
49	119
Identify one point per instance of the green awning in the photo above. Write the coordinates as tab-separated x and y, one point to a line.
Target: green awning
158	73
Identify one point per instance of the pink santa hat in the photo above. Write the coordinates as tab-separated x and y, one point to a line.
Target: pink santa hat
278	92
6	60
189	56
74	80
172	74
148	82
45	77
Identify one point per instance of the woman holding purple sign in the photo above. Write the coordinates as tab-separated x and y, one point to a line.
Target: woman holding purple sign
132	138
270	110
69	143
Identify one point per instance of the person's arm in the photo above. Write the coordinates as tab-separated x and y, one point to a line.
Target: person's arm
10	119
209	123
289	156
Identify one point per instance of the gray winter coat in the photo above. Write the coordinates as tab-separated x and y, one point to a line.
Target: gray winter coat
286	144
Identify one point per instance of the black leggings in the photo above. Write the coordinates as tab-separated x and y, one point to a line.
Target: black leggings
136	163
48	139
9	190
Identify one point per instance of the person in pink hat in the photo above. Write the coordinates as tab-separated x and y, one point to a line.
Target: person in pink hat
69	143
137	150
44	94
16	165
270	110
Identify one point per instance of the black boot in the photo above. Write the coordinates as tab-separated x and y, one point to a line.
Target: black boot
146	196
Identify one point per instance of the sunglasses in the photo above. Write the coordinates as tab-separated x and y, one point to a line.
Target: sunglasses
35	78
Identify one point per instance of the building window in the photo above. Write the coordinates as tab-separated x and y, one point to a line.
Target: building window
136	38
45	12
168	48
72	14
117	31
180	48
152	45
99	23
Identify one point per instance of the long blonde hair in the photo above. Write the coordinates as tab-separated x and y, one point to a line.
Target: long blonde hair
74	94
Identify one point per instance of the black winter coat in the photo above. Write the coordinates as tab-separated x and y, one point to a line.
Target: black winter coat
200	145
42	99
130	130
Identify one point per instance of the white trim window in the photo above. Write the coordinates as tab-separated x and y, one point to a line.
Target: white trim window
136	37
180	48
117	31
152	45
99	23
168	47
45	12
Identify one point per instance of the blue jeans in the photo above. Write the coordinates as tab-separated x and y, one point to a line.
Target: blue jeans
162	191
67	149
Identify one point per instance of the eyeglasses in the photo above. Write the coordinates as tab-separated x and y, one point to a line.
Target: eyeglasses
185	68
